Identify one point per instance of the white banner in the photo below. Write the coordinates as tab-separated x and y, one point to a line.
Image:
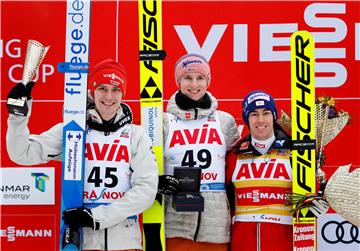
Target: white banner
27	186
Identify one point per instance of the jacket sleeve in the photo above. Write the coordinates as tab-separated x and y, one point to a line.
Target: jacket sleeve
165	127
144	183
230	189
229	128
30	149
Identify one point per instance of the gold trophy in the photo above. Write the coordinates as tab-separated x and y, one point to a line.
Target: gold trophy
342	190
35	53
328	124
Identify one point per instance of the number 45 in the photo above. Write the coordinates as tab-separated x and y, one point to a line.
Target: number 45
94	177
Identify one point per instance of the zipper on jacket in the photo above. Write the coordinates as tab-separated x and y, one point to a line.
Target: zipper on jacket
258	236
196	113
197	226
105	236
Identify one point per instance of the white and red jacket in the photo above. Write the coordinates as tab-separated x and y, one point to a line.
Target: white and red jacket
125	153
193	136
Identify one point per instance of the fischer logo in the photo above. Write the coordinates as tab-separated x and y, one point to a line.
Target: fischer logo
11	233
303	120
108	152
271	170
204	135
40	179
333	29
150	31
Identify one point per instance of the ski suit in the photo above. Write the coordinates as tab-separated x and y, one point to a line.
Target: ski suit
134	174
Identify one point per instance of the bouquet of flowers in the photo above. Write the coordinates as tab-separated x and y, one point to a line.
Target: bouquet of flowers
329	122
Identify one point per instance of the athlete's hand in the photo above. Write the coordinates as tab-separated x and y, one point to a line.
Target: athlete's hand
20	90
319	207
80	217
168	185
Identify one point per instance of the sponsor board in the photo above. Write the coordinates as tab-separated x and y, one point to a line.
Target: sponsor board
335	233
27	186
304	236
255	51
26	231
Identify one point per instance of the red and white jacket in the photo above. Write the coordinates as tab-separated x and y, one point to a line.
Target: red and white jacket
261	182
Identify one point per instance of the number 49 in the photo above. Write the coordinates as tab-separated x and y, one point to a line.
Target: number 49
203	156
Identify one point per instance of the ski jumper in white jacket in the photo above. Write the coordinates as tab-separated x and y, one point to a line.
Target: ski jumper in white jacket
213	224
119	226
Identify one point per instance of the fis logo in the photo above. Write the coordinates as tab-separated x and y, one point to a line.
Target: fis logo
40	179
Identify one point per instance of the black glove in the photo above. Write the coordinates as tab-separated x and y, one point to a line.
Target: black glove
168	185
20	90
80	217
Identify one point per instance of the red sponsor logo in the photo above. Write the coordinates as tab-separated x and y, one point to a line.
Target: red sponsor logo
211	119
273	170
269	218
259	145
109	152
107	195
209	176
244	145
25	232
256	196
304	236
205	135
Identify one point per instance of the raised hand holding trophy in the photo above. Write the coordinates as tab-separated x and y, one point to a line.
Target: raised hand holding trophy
35	53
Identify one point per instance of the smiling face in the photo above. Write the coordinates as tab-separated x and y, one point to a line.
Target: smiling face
261	123
107	100
193	85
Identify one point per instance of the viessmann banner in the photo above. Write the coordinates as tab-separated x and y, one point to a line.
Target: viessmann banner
246	42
